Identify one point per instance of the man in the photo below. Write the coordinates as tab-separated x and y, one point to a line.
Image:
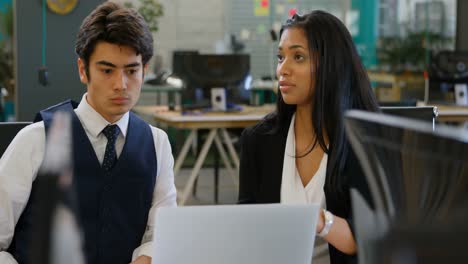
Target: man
122	166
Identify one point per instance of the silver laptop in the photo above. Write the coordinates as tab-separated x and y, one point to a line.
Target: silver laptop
233	234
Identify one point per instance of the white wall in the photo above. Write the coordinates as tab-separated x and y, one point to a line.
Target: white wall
200	24
190	25
406	14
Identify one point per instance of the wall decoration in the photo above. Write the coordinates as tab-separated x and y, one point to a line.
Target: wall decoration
61	7
261	7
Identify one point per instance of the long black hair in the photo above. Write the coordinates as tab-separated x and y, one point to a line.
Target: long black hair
341	83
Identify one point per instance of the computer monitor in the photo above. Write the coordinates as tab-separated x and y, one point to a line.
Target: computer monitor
178	60
8	131
201	72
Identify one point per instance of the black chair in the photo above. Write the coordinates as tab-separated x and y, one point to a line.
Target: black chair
2	110
409	102
418	179
423	113
8	131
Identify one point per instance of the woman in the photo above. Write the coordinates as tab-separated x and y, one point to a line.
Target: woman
299	153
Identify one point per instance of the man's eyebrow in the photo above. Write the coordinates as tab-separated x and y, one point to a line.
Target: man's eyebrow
135	64
130	65
106	63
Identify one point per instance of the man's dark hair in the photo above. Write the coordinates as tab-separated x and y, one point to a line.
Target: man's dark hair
115	24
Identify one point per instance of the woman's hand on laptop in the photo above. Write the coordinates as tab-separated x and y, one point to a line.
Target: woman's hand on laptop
142	260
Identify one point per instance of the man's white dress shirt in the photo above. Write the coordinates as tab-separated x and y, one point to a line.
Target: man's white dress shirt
22	159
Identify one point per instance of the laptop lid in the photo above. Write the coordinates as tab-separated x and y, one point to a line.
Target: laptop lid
233	234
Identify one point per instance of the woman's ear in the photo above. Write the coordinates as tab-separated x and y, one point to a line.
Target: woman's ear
82	71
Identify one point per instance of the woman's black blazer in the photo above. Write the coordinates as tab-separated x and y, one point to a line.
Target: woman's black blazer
261	168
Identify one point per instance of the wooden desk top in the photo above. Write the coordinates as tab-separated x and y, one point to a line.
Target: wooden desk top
452	113
250	115
449	113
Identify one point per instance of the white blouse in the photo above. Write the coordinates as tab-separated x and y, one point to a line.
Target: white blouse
293	191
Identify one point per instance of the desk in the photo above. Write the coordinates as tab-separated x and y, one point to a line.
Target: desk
450	113
217	123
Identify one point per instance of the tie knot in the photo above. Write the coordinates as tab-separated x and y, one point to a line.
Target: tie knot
111	132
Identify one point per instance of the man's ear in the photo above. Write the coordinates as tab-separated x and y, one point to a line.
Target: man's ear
145	69
82	71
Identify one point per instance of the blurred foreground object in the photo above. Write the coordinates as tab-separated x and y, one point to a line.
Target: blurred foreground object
418	180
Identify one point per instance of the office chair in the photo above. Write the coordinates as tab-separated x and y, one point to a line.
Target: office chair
407	102
8	131
2	111
418	178
424	113
425	244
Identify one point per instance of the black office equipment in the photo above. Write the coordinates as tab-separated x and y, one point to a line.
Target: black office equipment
43	76
178	61
236	45
160	74
201	72
2	110
423	113
418	179
446	69
8	131
407	102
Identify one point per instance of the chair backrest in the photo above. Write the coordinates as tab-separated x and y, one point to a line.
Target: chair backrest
408	102
417	176
412	171
8	131
368	228
424	113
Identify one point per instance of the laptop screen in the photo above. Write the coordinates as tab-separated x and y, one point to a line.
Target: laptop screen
233	234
